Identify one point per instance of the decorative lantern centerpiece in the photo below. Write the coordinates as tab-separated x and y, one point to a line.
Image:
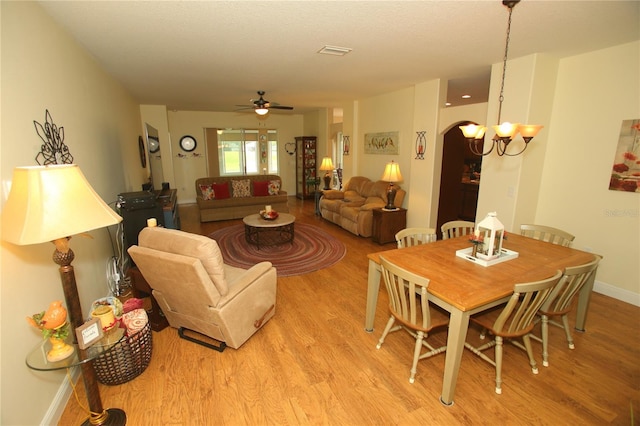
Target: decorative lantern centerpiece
491	230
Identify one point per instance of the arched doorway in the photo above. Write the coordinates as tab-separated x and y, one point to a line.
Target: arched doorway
459	179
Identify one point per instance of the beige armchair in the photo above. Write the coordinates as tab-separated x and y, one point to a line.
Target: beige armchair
198	292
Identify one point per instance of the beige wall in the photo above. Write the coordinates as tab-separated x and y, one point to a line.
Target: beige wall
43	68
386	113
187	169
595	92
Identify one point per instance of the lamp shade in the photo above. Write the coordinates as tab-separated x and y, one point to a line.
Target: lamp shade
391	173
51	202
261	111
327	164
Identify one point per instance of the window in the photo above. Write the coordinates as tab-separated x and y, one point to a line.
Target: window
247	152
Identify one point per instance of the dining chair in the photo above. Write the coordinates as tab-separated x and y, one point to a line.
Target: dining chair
409	308
415	236
513	320
456	228
547	233
560	302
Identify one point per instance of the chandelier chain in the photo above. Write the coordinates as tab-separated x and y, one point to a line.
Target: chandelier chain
504	64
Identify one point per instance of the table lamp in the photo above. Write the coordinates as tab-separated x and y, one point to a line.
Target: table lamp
52	203
391	174
327	166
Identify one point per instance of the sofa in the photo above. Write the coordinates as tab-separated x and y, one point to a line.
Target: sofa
234	197
351	208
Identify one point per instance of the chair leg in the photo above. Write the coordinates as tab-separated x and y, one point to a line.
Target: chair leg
545	340
499	365
416	356
567	330
386	331
532	361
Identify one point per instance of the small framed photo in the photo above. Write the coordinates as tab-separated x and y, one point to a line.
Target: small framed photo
89	333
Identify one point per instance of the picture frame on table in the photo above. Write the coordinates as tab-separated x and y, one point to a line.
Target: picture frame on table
89	333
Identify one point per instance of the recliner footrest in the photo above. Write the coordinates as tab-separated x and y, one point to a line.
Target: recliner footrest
220	347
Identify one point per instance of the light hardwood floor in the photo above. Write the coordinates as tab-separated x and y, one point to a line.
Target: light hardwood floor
313	363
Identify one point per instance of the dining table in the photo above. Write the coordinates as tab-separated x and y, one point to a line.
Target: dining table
464	287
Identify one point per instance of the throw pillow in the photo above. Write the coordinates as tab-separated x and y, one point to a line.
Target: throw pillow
221	190
274	187
207	192
241	188
261	188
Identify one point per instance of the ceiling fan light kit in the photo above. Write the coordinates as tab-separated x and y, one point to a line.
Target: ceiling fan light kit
505	132
261	106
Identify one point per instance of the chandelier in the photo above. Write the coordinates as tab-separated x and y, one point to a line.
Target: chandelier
505	132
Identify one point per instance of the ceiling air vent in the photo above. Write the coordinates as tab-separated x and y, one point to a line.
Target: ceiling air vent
335	50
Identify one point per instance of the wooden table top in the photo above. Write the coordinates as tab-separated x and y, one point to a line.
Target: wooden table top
256	221
467	285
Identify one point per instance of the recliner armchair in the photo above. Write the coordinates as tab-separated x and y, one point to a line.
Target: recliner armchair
197	291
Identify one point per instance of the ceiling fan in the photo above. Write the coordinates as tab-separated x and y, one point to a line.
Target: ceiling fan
261	106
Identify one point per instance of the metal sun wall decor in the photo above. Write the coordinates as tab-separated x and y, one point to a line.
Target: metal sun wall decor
381	143
625	173
53	151
421	144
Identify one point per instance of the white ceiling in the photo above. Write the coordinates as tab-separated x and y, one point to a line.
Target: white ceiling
213	55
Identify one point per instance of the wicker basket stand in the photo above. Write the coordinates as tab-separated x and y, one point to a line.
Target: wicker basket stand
127	360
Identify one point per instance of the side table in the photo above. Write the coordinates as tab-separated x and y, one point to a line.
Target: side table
386	223
37	360
141	290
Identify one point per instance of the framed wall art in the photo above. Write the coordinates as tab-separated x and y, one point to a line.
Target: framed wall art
381	143
625	173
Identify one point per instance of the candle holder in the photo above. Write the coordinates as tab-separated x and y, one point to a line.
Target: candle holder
421	145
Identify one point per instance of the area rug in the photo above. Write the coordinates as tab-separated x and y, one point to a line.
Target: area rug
312	249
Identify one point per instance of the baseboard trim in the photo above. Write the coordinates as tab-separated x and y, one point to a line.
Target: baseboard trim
617	293
59	403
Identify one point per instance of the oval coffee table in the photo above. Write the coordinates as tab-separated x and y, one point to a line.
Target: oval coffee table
264	232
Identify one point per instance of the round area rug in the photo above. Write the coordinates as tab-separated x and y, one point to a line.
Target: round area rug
312	249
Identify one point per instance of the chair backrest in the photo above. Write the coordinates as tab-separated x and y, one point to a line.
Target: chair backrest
408	301
516	319
456	228
573	278
415	236
547	233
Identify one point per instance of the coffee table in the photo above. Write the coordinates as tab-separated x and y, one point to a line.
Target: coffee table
264	232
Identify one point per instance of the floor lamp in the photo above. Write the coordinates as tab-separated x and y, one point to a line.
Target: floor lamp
52	203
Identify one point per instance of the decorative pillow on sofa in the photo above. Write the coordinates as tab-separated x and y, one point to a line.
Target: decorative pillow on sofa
207	192
221	190
241	188
260	188
274	187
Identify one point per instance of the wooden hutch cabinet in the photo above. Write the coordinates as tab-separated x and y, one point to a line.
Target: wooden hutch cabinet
305	166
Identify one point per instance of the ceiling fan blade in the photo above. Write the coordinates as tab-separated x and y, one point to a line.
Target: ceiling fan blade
280	107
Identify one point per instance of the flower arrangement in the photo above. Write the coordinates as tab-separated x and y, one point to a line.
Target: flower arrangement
476	239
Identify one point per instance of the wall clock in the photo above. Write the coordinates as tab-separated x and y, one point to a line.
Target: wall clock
188	143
